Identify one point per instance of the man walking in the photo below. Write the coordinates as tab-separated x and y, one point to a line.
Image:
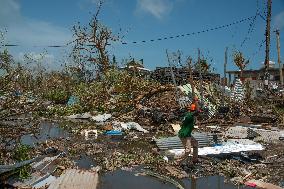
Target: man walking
186	130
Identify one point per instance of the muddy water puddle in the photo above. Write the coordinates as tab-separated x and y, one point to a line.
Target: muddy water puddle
47	130
84	162
127	180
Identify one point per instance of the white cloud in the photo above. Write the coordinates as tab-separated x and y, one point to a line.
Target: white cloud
157	8
9	12
26	31
279	20
36	56
32	58
29	32
39	33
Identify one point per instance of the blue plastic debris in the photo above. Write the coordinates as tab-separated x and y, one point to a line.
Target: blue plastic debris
17	93
217	145
113	132
72	101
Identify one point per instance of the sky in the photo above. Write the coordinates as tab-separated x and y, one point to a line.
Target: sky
36	24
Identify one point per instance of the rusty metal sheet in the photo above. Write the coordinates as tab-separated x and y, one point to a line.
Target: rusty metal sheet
75	179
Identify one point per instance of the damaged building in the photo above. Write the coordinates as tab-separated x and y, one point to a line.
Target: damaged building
163	75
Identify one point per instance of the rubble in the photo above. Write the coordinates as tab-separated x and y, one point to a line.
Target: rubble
114	123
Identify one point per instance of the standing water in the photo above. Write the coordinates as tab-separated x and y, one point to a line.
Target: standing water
127	180
48	130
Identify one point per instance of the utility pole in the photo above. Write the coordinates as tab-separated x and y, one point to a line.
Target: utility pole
189	62
225	78
267	36
173	75
279	59
200	78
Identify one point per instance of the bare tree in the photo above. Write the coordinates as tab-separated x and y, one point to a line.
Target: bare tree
90	44
240	61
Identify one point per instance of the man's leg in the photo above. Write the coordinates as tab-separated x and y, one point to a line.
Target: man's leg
187	147
195	150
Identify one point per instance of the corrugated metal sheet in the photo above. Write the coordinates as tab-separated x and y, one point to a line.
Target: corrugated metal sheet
268	135
241	141
260	134
75	179
237	132
6	168
203	139
42	170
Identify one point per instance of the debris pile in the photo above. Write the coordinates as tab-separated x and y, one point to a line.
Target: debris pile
121	120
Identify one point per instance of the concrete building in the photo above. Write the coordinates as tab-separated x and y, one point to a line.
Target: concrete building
257	75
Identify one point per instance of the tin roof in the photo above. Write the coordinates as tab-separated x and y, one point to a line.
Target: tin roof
75	179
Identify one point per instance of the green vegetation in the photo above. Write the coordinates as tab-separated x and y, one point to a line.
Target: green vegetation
22	153
58	96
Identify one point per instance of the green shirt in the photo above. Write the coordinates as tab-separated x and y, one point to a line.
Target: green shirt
186	126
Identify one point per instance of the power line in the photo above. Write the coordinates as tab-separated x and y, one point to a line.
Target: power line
41	46
258	50
251	25
250	30
261	16
193	33
153	40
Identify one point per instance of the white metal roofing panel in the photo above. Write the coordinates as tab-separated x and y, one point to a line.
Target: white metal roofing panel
76	179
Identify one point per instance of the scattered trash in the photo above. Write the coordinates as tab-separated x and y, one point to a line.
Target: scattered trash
101	118
90	134
250	184
72	101
128	126
113	132
86	115
260	184
166	158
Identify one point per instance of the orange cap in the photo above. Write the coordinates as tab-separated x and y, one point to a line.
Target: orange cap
192	107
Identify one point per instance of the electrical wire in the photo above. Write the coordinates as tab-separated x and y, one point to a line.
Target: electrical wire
193	33
157	39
